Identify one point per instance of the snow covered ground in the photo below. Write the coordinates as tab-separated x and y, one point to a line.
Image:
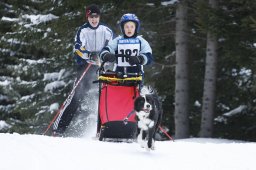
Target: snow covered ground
35	152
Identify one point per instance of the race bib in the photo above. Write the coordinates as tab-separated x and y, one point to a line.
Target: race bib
130	47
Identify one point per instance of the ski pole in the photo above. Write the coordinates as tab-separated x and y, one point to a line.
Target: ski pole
68	98
166	133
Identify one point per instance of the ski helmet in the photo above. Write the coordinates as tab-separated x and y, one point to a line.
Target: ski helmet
130	17
92	10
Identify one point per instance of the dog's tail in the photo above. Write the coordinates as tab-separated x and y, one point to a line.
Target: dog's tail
147	90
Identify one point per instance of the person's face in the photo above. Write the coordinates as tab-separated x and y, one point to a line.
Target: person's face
129	28
94	20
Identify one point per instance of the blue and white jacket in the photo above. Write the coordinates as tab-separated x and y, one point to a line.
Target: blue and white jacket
92	39
129	46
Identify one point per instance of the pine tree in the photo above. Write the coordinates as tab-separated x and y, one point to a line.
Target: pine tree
209	94
181	73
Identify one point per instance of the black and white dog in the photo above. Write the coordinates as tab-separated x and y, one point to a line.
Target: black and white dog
149	115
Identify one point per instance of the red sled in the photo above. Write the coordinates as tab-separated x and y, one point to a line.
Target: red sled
116	102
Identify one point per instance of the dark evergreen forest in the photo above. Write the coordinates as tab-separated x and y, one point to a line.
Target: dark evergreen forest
37	66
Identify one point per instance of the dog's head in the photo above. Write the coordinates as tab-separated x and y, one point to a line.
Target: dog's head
143	103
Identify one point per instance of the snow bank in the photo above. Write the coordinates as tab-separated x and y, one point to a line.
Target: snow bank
35	152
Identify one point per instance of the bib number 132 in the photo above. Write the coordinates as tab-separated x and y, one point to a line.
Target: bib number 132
129	50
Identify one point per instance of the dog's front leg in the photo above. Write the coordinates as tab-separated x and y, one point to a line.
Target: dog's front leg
142	124
151	141
149	122
140	139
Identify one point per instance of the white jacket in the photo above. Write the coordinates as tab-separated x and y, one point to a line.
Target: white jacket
93	39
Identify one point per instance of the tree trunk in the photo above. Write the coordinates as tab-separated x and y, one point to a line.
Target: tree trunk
209	93
181	73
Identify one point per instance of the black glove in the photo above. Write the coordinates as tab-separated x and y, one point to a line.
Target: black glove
93	56
136	60
109	57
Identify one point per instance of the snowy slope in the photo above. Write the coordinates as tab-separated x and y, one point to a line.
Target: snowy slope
35	152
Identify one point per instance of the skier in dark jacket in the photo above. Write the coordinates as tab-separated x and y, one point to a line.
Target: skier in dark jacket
89	41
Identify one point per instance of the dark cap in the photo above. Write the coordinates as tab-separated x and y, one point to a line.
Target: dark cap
92	10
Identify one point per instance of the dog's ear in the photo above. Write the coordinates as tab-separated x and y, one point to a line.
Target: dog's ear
139	103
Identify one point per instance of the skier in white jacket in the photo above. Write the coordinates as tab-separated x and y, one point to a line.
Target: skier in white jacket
89	41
